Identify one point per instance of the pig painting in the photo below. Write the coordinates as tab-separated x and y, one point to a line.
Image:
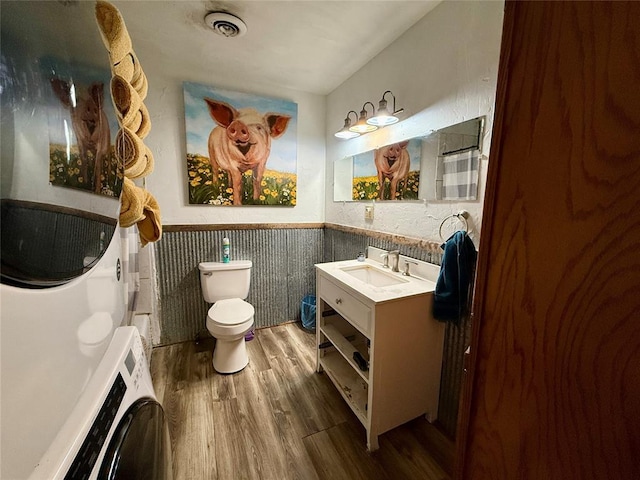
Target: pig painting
392	162
241	148
241	141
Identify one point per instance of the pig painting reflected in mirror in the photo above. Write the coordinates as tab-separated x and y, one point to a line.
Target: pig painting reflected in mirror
90	127
390	172
241	141
392	163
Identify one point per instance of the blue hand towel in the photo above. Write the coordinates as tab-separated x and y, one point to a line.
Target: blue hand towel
456	274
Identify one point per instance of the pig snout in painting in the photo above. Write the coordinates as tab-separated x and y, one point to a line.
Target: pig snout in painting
90	126
241	141
392	162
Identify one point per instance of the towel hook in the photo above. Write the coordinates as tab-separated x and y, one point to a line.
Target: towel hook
462	215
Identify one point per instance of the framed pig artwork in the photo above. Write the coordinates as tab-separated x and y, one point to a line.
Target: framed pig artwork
241	148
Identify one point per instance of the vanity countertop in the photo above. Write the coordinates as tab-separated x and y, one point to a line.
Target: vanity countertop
410	286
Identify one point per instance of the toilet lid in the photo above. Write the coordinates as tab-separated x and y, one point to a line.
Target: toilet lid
232	311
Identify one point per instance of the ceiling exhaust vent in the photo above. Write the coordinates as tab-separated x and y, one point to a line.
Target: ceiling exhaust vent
225	24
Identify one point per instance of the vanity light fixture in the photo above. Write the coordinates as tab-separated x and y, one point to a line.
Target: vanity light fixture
345	132
366	124
362	126
383	116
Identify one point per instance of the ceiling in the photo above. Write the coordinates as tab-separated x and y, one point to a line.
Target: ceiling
311	46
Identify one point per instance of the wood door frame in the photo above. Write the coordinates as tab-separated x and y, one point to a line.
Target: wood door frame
578	336
484	259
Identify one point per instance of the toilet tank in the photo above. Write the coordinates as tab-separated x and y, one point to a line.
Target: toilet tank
220	281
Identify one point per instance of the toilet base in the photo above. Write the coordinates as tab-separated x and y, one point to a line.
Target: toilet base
230	356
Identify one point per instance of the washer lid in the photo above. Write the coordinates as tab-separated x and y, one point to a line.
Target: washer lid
232	311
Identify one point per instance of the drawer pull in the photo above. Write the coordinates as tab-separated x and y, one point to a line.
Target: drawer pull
351	309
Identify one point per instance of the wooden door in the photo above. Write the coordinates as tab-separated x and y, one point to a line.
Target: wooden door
553	391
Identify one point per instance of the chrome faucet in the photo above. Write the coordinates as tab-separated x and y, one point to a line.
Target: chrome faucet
385	257
395	258
406	267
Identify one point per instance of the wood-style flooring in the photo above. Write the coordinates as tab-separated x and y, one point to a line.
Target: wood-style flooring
279	419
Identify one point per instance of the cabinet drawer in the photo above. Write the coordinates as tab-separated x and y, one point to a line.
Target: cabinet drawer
352	309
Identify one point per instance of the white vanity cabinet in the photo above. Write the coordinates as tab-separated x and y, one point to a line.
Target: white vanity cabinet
392	329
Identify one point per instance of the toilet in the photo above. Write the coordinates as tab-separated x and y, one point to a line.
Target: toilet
226	285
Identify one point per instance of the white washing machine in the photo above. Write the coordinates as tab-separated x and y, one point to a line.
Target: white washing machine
117	430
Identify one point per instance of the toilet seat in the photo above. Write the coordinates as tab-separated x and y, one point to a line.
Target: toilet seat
232	311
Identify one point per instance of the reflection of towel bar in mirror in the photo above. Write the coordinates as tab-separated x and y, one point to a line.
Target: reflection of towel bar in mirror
459	150
462	215
466	135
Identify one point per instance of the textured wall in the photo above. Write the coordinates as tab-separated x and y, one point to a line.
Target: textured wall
282	275
167	141
442	71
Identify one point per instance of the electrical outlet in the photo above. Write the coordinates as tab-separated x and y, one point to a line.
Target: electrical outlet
368	212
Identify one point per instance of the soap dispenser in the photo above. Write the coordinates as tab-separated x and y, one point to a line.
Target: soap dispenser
226	248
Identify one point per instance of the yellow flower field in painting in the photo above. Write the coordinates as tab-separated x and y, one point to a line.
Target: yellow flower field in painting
368	188
277	188
64	170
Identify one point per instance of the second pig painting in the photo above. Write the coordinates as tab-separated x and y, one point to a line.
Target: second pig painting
241	148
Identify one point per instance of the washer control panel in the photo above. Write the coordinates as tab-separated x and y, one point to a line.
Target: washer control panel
135	361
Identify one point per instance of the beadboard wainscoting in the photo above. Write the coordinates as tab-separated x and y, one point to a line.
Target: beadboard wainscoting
282	273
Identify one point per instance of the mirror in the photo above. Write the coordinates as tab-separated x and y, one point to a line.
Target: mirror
442	165
60	183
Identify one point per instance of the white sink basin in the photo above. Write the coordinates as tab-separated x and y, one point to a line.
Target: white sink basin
373	276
